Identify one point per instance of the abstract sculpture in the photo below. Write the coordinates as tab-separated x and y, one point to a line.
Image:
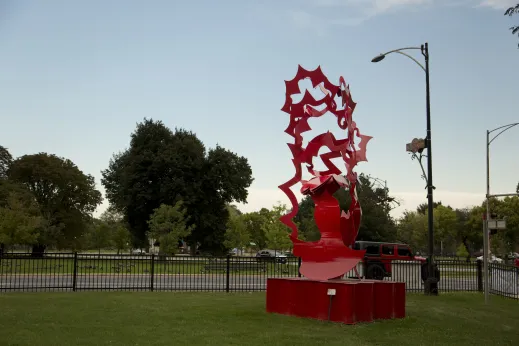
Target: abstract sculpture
333	255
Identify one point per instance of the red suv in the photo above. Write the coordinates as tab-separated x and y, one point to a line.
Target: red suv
379	256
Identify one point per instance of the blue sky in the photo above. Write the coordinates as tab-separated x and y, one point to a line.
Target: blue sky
76	77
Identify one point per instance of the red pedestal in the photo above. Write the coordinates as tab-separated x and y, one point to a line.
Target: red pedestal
354	300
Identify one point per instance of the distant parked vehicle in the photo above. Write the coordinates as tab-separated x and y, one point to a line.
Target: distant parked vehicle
138	252
380	255
491	259
271	255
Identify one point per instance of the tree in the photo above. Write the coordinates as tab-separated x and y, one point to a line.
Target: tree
412	230
163	167
445	227
20	221
376	223
236	236
255	225
100	236
277	233
423	207
65	195
509	12
5	162
508	208
469	228
462	252
168	225
305	221
121	237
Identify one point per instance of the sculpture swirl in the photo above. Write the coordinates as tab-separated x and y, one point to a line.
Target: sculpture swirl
333	255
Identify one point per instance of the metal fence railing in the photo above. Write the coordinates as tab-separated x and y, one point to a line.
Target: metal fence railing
103	272
504	280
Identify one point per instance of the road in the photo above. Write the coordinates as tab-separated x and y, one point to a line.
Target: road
195	282
453	279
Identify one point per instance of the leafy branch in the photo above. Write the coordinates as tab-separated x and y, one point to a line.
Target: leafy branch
510	12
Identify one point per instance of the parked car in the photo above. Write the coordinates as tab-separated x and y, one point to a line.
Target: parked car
380	255
491	259
138	252
271	255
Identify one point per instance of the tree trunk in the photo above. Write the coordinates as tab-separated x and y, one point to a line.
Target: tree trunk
38	250
467	248
2	249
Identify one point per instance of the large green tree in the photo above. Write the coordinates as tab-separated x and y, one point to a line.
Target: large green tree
20	220
255	226
65	195
162	166
469	228
412	230
5	162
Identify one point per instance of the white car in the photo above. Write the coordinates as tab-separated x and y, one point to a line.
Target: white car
491	259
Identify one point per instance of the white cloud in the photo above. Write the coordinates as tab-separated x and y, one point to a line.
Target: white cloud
358	11
498	4
372	6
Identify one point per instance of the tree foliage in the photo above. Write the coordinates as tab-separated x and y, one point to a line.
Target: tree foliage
5	162
236	235
510	12
255	223
65	196
277	233
20	220
376	224
168	225
163	167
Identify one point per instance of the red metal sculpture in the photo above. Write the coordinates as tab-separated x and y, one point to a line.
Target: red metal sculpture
332	256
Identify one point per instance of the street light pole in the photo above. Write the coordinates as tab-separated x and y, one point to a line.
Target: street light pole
430	187
486	235
431	280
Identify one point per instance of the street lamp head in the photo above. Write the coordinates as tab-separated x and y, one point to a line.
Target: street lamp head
378	58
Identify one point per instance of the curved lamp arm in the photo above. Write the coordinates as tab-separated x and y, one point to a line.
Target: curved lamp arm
399	51
410	57
504	129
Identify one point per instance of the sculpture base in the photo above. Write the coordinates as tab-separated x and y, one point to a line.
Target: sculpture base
354	300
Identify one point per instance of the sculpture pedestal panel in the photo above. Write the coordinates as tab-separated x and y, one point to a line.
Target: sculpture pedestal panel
354	301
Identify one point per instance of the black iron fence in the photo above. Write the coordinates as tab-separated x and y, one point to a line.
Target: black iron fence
81	272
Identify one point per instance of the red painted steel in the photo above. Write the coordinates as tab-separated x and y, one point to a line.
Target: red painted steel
332	256
355	301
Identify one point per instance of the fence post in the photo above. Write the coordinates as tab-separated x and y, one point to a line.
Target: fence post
298	267
152	271
480	275
227	272
74	276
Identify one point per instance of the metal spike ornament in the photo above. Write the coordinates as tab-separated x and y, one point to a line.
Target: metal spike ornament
333	255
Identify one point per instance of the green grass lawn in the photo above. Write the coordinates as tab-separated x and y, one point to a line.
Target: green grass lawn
240	319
